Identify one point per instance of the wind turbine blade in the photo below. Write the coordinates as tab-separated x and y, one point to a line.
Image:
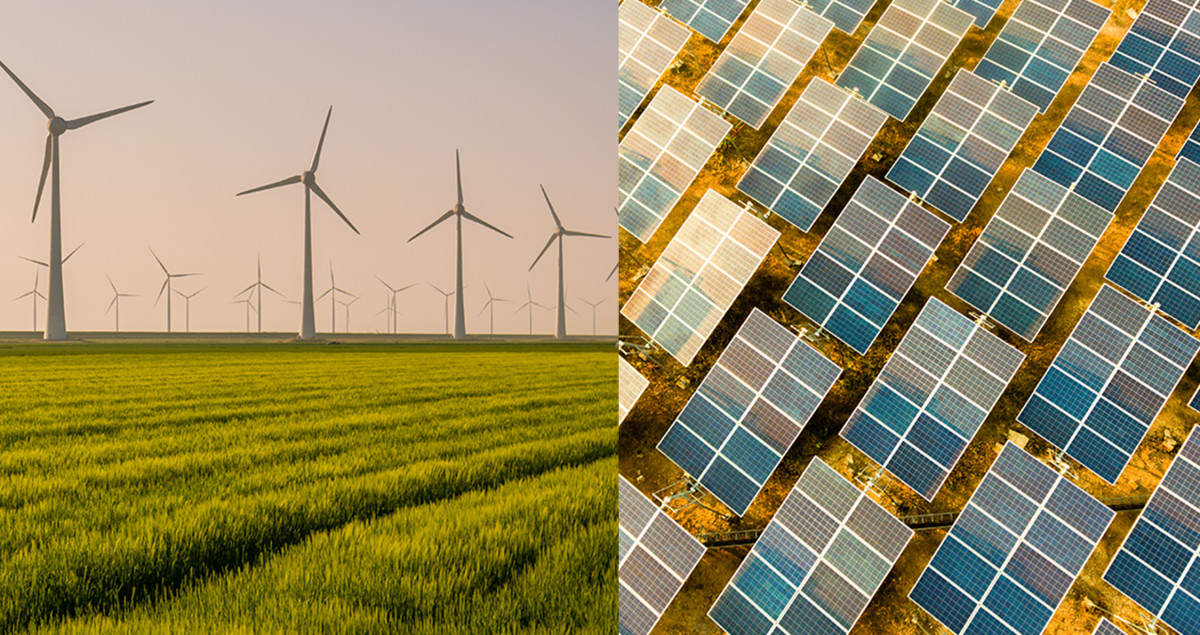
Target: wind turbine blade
458	172
160	264
543	252
468	216
327	291
110	283
573	233
321	143
46	110
610	274
317	188
39	294
64	260
246	289
36	262
45	170
485	307
407	286
160	291
488	289
389	287
521	308
291	180
185	275
23	295
557	222
268	288
437	288
75	124
110	305
435	223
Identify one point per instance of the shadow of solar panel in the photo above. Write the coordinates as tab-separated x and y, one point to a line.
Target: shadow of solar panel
647	43
710	18
631	385
1029	253
1040	46
657	556
845	14
748	411
818	563
1108	135
1164	45
1191	147
1160	262
866	263
903	52
1108	383
661	155
1010	558
931	397
811	153
962	144
763	60
1157	567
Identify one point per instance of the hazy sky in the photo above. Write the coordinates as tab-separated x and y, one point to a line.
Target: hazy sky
524	88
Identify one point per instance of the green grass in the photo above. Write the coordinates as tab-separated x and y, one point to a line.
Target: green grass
152	482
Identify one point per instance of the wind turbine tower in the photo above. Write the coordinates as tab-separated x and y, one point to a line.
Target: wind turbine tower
166	286
559	232
332	292
491	304
529	304
594	305
446	296
392	305
187	308
36	294
116	303
257	288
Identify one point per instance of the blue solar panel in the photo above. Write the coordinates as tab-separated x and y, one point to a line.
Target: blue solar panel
1040	46
1108	136
930	399
647	43
1160	263
1195	402
1164	45
845	14
962	144
818	563
748	411
710	18
1014	552
811	153
903	52
866	263
1191	147
1159	565
1109	382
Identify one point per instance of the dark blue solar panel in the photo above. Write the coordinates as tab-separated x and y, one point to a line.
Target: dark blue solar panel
710	18
1195	402
1191	147
1164	45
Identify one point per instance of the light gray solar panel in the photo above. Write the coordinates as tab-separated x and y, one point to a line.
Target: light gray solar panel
710	18
1029	253
661	155
1014	551
763	60
817	564
1108	382
1106	627
931	397
656	558
1164	45
962	144
903	53
631	386
748	411
699	275
811	153
845	14
647	43
866	263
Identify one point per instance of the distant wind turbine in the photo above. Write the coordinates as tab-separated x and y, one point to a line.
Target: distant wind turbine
332	292
257	289
491	304
447	298
187	308
392	302
36	294
594	305
559	232
249	302
529	304
347	305
308	325
166	286
116	303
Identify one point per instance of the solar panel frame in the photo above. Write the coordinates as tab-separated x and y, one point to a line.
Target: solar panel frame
1191	147
630	386
749	410
962	144
699	275
647	42
1174	66
710	18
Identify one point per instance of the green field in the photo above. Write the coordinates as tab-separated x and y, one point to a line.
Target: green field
271	487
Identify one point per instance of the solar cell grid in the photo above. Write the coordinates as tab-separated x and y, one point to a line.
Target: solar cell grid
710	18
748	411
1191	147
1163	44
1106	627
845	14
631	384
647	43
962	144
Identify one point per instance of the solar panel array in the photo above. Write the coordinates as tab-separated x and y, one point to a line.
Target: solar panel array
1160	263
1040	46
710	18
811	153
1106	627
1028	254
1159	565
903	52
657	556
1164	45
845	14
647	43
699	275
661	155
867	261
1014	551
630	386
1108	135
1109	382
962	144
748	411
818	563
763	60
1191	147
929	400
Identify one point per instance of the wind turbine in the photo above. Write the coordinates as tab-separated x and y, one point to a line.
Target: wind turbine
559	232
491	304
248	301
459	213
308	326
166	286
530	304
257	288
187	308
392	303
347	305
36	294
594	305
47	265
334	290
447	298
116	302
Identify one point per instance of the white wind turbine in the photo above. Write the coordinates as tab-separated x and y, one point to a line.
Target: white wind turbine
332	292
116	303
187	308
491	304
559	232
393	307
166	286
348	305
447	298
249	302
36	294
594	305
257	289
529	304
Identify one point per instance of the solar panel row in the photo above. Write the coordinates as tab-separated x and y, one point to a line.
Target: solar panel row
647	43
1164	45
710	18
1191	147
630	386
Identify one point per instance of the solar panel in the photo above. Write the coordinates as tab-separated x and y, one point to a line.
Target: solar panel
631	385
748	411
710	18
930	399
1106	627
903	52
811	153
1158	566
866	263
647	43
657	556
817	564
1014	551
699	275
1040	46
1108	135
1194	404
763	60
1191	147
962	144
1164	44
661	155
845	14
1160	262
1028	254
1109	382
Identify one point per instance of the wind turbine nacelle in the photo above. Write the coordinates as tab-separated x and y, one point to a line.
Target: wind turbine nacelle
57	126
308	178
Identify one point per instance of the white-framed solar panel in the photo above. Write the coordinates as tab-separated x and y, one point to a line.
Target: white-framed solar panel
846	15
647	43
1105	627
630	386
1191	147
1163	44
710	18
